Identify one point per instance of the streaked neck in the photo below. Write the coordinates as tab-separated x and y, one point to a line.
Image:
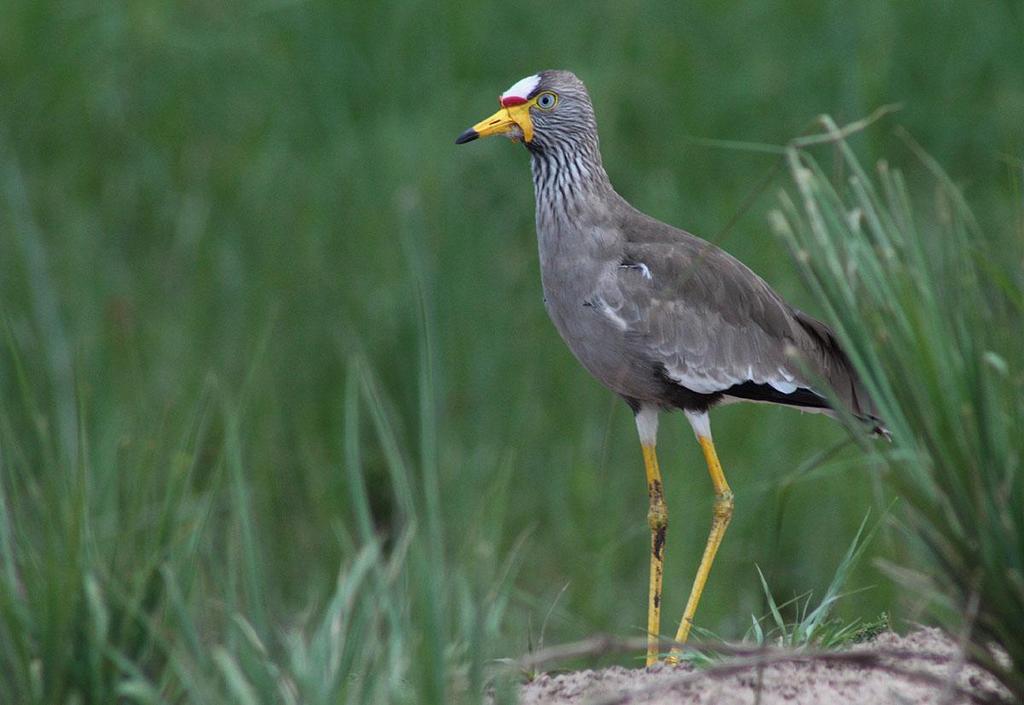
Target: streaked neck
569	181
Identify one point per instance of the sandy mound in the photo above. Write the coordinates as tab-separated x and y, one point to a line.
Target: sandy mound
923	667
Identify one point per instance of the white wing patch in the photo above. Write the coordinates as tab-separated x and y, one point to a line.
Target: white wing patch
702	383
720	380
610	313
522	88
785	384
644	269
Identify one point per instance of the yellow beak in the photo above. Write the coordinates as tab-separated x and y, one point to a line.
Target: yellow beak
513	121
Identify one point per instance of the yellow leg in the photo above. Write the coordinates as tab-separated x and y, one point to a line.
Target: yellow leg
719	522
657	518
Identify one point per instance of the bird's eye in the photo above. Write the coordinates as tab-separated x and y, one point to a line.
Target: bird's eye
546	100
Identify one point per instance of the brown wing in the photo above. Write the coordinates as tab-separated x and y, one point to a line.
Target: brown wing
716	326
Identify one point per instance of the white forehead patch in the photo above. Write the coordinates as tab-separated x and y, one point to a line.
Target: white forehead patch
522	88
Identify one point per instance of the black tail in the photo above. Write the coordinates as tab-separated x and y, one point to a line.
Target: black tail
834	366
802	397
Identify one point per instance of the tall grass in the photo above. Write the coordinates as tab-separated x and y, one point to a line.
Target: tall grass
136	566
931	308
130	580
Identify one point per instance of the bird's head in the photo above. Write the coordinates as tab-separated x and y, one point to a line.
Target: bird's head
539	110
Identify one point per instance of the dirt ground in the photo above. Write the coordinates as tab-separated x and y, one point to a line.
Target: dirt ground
923	667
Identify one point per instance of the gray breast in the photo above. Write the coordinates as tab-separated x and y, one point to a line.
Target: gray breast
583	301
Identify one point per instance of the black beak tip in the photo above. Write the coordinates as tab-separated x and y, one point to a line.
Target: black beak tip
467	136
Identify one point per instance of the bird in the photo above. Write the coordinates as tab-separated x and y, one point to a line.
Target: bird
664	319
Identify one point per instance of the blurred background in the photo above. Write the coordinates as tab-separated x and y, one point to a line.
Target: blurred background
217	219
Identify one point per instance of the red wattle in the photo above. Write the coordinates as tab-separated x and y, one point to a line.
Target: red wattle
512	100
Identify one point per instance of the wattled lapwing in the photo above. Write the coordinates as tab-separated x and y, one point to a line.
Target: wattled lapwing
662	318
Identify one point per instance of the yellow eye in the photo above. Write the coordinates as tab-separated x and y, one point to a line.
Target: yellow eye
546	100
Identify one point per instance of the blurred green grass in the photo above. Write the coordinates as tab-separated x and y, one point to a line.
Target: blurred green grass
207	210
